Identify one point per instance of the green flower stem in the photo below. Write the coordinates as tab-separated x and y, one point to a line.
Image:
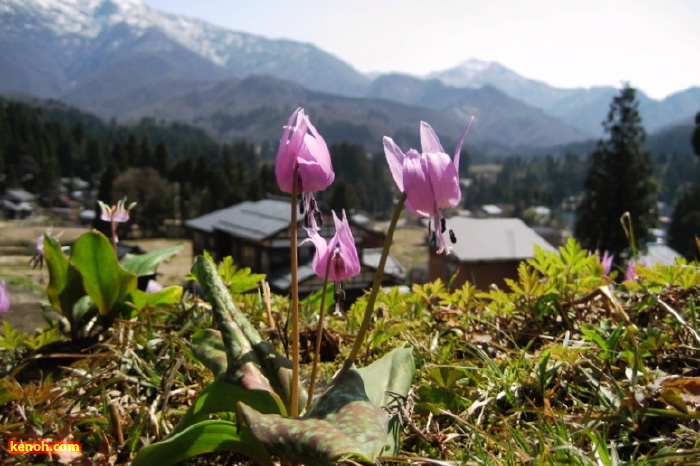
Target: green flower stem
294	392
369	310
319	335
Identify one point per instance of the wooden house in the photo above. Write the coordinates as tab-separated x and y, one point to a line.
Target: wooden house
487	251
256	234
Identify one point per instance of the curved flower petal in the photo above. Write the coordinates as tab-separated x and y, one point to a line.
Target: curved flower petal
4	298
460	142
339	257
286	155
428	139
444	179
420	198
305	150
394	157
348	251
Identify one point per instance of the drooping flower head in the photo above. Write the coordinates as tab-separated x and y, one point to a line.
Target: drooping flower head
430	179
37	259
116	213
339	256
607	260
631	270
303	153
4	298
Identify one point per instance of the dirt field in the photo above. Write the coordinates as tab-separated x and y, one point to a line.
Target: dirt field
26	285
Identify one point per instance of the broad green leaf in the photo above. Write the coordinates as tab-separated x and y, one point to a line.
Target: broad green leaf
147	264
342	423
204	437
221	397
387	380
243	366
389	376
208	348
165	297
65	282
251	361
105	281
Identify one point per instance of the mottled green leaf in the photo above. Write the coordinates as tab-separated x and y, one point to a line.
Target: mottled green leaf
389	376
387	382
222	397
208	348
105	281
243	365
251	361
204	437
342	423
147	264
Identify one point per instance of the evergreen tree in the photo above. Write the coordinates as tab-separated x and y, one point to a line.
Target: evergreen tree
696	135
685	223
620	179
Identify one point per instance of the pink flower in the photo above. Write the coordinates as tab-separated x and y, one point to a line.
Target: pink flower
430	180
116	213
153	287
4	298
631	270
339	256
303	153
606	260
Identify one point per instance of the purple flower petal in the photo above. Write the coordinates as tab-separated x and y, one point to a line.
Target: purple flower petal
4	298
420	198
428	139
305	151
444	179
394	157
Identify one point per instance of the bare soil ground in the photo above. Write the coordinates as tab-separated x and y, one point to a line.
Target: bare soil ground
26	285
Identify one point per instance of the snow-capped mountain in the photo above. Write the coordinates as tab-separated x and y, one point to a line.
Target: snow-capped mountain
74	40
583	108
120	58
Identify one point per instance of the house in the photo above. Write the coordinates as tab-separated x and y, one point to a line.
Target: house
257	235
18	204
487	251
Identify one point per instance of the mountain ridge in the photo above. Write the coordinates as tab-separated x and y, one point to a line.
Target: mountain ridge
121	59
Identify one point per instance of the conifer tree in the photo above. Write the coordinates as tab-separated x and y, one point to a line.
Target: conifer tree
685	223
695	139
620	179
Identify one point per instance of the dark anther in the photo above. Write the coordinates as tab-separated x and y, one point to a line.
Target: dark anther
301	206
433	240
319	217
442	225
453	238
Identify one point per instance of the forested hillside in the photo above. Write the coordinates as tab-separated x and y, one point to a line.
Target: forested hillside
178	171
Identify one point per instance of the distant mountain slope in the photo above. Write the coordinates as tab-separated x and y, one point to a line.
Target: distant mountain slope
581	108
72	42
121	59
499	115
256	108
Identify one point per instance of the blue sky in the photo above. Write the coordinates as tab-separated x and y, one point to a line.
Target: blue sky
653	44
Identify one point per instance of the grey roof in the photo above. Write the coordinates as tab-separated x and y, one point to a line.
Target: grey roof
371	257
659	254
254	220
493	239
19	195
